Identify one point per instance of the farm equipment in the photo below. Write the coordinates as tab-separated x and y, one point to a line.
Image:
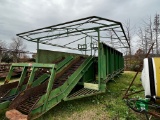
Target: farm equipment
86	74
150	78
150	82
32	75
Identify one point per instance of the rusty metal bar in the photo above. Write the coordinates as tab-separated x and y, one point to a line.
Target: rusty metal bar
141	63
134	93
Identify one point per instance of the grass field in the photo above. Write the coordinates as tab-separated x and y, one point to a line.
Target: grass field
107	106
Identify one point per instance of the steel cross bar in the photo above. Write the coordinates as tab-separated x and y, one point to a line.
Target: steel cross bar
102	37
74	41
106	24
75	34
32	65
70	22
118	37
61	37
124	34
52	28
87	32
56	45
74	31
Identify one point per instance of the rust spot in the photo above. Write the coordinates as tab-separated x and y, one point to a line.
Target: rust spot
22	93
15	115
7	81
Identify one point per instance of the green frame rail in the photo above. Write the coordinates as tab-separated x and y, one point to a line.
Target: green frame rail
110	64
38	81
60	93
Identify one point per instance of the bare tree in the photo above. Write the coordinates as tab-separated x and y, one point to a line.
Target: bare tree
149	34
17	46
129	33
2	46
141	42
144	40
156	31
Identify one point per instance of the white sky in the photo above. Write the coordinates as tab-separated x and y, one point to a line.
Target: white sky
18	16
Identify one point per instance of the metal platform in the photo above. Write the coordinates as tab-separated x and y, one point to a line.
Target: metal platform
82	93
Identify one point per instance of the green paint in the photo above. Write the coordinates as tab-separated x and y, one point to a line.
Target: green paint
31	78
85	44
91	45
110	64
47	56
23	75
41	79
9	75
37	55
49	87
142	104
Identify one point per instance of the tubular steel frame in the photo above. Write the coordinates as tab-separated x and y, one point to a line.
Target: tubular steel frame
57	88
85	26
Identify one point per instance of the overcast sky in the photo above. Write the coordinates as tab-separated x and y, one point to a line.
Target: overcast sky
18	16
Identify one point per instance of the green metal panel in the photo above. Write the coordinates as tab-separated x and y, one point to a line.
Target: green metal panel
116	58
104	62
99	58
110	65
114	66
110	62
107	61
47	56
89	75
4	105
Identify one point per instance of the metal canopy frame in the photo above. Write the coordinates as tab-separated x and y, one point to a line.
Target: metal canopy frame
98	29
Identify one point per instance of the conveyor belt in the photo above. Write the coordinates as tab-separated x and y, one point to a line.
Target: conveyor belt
5	89
26	105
